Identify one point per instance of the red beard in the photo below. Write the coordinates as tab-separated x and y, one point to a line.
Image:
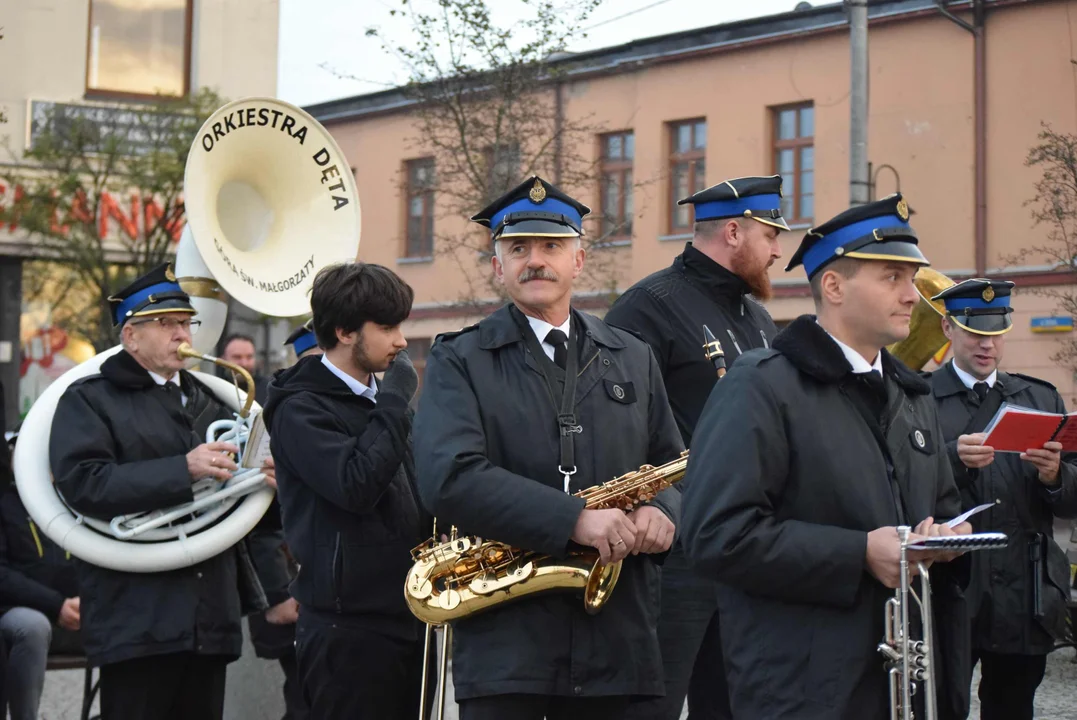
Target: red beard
755	274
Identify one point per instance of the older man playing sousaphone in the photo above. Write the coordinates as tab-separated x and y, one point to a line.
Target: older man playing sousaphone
130	439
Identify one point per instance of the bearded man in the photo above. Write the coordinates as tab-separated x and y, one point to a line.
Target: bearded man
717	281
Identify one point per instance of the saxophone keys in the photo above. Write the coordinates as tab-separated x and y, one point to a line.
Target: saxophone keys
422	588
449	600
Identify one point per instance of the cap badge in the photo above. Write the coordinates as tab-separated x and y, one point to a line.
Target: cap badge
988	294
903	210
169	275
537	193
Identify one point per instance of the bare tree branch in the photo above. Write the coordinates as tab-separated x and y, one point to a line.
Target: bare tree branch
1054	206
485	108
89	170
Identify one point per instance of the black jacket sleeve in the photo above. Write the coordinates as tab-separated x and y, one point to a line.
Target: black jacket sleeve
18	590
736	477
963	475
665	441
348	471
1063	496
948	496
459	484
270	563
89	475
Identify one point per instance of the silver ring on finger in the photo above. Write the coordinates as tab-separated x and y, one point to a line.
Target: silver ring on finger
619	542
213	462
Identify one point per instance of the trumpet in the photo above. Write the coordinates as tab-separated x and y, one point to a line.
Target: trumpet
908	660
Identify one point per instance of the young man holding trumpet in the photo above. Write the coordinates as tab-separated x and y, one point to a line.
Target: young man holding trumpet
806	459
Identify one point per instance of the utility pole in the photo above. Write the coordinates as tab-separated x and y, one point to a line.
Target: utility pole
858	102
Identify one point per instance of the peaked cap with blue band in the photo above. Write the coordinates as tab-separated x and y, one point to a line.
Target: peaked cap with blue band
979	305
758	198
533	208
155	292
302	338
878	230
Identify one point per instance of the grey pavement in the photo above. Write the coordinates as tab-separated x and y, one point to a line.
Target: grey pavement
253	691
254	685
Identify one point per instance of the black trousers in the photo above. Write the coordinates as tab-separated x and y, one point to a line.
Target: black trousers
295	707
353	673
537	707
179	686
691	643
277	642
1008	684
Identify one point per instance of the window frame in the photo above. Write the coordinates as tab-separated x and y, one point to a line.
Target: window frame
796	145
99	93
692	157
620	167
428	206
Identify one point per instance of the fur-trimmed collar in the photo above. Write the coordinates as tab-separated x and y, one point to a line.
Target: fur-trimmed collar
811	350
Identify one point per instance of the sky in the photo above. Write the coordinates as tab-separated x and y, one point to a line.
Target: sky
322	40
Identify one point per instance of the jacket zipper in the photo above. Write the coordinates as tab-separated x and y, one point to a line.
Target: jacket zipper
338	562
764	336
37	540
734	339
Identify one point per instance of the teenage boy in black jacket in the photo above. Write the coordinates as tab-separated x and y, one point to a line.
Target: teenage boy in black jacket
346	485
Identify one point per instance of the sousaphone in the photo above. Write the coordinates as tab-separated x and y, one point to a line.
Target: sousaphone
270	200
926	337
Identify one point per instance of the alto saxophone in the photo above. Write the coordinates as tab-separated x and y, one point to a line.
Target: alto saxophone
467	575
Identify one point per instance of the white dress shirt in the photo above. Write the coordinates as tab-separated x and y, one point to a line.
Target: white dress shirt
856	360
969	380
175	380
541	328
354	385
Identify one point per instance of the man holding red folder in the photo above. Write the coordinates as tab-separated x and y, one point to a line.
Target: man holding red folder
1017	596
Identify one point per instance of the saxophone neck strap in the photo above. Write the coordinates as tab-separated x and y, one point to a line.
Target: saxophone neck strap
567	424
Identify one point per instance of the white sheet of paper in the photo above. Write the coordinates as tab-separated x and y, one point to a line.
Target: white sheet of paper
965	516
257	450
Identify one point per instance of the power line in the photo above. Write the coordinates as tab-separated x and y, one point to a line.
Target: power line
633	12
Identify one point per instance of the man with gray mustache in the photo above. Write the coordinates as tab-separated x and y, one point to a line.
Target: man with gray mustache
520	412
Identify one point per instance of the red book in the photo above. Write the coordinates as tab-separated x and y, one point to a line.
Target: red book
1017	429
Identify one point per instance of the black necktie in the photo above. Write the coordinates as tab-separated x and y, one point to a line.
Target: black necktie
981	390
172	395
560	352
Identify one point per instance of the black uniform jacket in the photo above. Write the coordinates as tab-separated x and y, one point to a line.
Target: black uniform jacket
118	445
351	513
1001	590
35	572
669	308
487	452
785	480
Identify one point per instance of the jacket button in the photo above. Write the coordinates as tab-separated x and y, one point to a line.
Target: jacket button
605	361
199	576
577	690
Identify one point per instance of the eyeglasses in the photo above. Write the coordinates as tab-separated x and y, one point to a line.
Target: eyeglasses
171	323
